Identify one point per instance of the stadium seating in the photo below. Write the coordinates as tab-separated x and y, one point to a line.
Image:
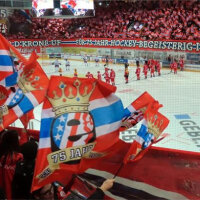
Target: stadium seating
173	20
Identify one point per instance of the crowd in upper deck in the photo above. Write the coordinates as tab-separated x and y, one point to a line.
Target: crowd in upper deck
147	20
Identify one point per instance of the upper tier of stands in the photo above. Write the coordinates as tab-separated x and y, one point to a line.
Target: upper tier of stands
151	20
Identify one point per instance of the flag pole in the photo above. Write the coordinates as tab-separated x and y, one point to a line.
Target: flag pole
119	169
138	157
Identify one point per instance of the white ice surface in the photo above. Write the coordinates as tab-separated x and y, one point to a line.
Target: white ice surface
179	94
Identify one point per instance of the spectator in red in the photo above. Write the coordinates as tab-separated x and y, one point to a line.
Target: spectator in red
9	156
159	20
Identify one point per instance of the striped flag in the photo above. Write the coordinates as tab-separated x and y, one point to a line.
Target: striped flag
29	92
8	70
134	113
80	118
6	60
152	126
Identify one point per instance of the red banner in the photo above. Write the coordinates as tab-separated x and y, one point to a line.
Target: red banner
162	45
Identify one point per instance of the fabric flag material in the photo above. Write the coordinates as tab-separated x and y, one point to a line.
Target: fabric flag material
134	113
29	92
6	60
10	80
26	118
80	118
8	69
3	94
152	126
161	174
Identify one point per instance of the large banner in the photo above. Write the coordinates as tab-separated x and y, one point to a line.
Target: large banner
174	45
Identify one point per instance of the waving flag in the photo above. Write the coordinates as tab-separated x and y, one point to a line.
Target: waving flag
26	118
29	92
3	94
152	126
134	113
80	118
6	60
8	70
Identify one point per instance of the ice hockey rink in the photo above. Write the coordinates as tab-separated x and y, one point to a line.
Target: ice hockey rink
179	94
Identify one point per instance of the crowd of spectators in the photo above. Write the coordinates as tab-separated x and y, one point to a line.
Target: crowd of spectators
17	162
147	20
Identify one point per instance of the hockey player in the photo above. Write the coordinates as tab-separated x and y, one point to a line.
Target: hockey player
112	76
145	69
65	57
60	71
67	65
85	60
181	63
56	63
99	75
126	65
106	75
126	73
175	66
89	75
137	72
152	70
96	61
158	68
149	64
107	60
75	73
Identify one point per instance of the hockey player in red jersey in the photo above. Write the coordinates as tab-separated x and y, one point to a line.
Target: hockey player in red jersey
126	72
106	75
158	68
181	63
149	64
99	75
137	72
112	76
175	66
89	75
152	70
145	69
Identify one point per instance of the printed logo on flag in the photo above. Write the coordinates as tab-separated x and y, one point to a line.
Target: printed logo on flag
3	94
28	91
73	124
